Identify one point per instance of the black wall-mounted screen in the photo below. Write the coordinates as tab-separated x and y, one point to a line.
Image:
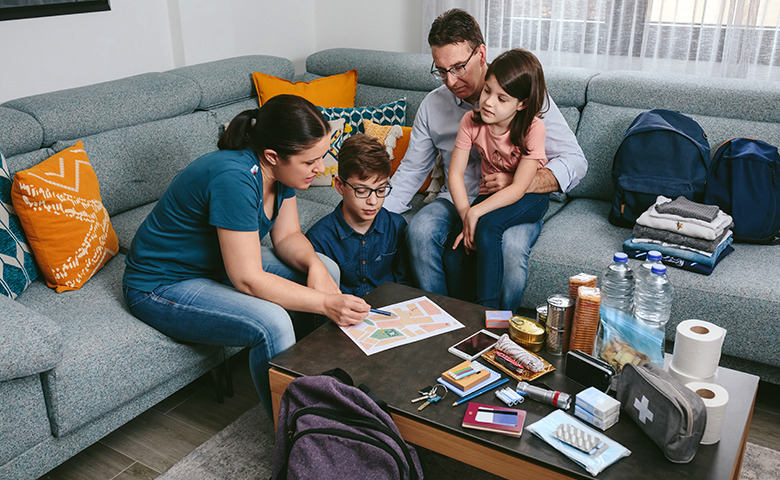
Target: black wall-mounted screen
17	9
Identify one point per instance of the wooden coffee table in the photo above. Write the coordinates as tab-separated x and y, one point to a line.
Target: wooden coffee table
395	375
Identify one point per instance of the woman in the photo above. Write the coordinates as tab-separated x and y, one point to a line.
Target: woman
196	270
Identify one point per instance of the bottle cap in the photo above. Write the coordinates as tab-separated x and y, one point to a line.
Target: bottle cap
659	269
620	257
653	256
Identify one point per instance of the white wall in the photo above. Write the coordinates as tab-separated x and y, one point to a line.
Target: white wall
40	55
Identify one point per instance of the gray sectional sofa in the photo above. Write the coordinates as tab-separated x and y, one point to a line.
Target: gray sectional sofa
77	365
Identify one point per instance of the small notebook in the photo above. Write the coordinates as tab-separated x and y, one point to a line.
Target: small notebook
491	418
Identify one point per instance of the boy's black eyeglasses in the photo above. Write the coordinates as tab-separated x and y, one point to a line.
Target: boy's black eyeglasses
365	192
456	71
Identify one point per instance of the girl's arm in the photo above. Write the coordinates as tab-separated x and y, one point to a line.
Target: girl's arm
455	180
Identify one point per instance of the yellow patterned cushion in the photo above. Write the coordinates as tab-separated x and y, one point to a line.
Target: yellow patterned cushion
67	226
389	136
338	129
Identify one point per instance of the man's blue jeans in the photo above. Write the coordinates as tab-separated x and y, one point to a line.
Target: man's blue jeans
440	269
208	312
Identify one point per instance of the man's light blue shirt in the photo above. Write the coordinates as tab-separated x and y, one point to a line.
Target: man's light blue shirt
435	128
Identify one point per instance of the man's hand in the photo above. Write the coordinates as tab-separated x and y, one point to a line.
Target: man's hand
543	182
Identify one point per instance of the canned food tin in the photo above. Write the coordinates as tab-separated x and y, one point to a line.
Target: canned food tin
557	341
560	312
526	333
541	315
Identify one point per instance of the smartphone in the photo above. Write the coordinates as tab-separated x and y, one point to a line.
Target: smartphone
474	346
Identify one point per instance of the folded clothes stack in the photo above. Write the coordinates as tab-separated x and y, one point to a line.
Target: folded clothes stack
690	235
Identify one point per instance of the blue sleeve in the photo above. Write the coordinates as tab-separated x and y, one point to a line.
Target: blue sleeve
235	202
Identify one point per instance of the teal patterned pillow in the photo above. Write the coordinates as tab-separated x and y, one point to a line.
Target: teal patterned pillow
387	114
17	266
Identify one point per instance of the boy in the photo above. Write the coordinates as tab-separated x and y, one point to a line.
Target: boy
365	240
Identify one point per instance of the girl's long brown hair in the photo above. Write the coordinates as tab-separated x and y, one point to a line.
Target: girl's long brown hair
521	75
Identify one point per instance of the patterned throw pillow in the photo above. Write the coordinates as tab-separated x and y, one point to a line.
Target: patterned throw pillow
386	135
333	91
67	226
387	114
331	159
17	266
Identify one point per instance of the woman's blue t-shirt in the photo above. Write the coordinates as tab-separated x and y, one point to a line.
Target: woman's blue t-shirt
178	240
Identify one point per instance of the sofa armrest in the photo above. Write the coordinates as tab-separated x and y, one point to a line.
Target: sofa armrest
30	342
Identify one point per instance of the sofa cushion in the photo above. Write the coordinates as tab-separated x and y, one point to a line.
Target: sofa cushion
736	296
17	267
136	164
31	343
328	92
67	226
19	132
78	112
388	114
226	113
109	356
227	81
23	421
331	158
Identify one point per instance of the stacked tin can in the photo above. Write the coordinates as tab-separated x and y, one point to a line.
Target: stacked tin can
560	312
526	333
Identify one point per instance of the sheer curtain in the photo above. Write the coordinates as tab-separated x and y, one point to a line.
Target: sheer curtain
729	38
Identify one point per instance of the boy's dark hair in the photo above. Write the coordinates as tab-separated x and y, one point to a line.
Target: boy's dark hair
364	156
286	124
455	26
520	75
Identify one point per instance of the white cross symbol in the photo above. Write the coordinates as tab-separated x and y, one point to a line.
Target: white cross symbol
644	411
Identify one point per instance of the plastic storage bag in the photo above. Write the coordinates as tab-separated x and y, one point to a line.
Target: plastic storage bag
623	339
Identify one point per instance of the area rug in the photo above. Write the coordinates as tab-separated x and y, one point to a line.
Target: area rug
244	449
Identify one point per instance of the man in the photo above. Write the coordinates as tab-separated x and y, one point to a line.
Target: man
460	61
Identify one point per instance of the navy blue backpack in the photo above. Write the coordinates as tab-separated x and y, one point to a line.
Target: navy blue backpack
745	183
662	153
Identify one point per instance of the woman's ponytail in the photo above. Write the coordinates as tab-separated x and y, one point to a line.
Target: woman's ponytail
286	124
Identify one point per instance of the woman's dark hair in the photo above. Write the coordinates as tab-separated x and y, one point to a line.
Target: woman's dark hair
455	26
363	156
286	124
520	75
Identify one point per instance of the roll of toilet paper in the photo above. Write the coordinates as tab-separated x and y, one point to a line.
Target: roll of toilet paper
716	400
686	379
697	347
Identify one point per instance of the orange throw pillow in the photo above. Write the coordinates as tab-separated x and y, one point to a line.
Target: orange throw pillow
380	132
68	229
327	92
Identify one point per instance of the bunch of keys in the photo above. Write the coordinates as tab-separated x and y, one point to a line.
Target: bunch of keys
431	396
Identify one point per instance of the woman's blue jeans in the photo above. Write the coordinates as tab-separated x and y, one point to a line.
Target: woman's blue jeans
212	313
488	240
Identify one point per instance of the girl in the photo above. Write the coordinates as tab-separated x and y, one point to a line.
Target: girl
509	136
196	270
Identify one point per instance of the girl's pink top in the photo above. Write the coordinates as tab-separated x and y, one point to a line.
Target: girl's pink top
497	152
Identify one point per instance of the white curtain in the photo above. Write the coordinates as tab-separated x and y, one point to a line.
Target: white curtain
729	38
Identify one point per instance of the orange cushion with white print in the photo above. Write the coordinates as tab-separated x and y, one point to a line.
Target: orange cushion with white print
61	212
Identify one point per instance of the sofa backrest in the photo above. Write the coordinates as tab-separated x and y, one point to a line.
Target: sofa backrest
384	77
725	108
139	131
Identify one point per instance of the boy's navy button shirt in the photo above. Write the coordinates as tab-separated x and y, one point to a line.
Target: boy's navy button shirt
366	261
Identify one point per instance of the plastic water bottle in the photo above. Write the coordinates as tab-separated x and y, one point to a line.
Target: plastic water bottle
654	298
643	273
617	286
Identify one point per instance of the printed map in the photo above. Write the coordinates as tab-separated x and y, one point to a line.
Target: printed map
411	320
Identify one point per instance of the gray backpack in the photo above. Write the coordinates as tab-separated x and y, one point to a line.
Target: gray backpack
329	429
672	415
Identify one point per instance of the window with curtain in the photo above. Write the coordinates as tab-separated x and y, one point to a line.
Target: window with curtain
729	38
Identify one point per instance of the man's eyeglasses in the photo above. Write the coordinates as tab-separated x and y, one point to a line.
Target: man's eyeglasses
456	71
365	192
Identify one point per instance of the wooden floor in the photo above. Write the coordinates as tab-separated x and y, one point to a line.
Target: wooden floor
150	444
